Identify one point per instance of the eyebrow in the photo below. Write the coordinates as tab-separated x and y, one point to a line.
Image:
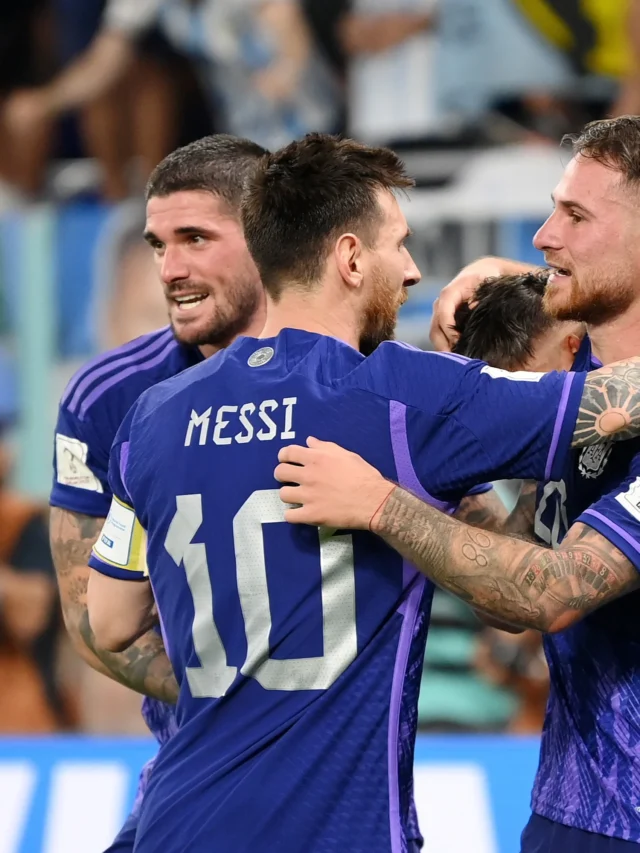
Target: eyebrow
570	204
150	237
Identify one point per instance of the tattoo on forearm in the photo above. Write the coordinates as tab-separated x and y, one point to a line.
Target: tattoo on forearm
610	404
515	581
144	666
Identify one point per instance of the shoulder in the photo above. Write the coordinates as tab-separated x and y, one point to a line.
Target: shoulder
415	377
114	380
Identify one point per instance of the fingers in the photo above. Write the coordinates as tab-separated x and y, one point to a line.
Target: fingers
294	454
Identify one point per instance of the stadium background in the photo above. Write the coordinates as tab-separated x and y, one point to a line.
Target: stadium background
476	94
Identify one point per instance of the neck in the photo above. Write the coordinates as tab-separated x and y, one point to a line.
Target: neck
251	330
311	312
618	339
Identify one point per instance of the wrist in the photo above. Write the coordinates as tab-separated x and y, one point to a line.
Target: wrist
379	498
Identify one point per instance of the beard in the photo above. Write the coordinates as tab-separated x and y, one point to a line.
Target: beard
594	301
381	313
223	322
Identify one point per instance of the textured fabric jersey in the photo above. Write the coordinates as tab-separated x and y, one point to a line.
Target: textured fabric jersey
589	772
299	649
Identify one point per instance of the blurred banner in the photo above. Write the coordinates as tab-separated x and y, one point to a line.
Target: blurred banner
71	794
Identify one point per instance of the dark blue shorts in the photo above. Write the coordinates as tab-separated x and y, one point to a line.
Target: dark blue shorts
126	838
546	836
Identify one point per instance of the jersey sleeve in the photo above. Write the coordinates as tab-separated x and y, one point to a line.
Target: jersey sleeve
521	423
617	515
80	466
120	550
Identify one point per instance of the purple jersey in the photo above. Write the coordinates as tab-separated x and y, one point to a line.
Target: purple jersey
92	408
589	772
299	650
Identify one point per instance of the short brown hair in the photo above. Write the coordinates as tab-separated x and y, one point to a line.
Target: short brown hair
614	142
305	195
219	164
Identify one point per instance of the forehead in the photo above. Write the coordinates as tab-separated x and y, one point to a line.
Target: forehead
589	183
188	207
394	218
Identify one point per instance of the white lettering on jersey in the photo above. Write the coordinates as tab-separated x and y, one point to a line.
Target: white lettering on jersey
515	376
238	423
71	464
630	499
221	423
201	421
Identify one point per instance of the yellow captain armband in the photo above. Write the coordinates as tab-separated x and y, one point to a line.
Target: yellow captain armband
122	541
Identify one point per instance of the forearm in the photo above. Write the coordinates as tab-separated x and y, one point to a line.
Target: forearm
144	667
513	581
375	33
92	74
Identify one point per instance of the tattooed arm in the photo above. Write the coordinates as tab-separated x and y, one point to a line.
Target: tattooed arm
512	580
144	666
515	581
610	404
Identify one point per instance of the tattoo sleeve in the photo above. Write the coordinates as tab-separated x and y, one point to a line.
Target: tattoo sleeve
610	404
514	581
144	666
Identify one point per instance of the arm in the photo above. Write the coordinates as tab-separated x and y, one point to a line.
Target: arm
284	22
461	289
518	582
363	33
104	64
511	580
144	667
119	611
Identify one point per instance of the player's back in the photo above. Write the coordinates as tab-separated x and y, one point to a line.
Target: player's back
299	650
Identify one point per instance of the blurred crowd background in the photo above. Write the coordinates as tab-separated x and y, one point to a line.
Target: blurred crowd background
476	94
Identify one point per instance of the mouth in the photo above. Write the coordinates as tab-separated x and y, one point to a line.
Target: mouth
188	301
558	274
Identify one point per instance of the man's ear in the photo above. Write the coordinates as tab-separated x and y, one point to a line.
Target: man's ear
349	259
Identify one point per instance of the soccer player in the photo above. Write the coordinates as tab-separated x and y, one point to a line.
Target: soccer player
213	293
585	794
298	650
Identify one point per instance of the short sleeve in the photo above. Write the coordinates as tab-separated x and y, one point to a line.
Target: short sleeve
120	550
616	516
522	422
80	466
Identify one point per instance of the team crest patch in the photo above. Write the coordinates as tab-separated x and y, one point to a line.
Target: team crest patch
594	458
261	356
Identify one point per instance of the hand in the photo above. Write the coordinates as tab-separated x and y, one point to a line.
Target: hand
25	110
335	487
461	289
277	82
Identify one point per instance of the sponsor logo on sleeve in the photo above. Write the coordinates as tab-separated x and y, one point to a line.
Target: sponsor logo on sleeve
71	464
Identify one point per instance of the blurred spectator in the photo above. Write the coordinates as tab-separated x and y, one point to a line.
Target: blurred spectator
30	700
25	60
255	57
429	68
